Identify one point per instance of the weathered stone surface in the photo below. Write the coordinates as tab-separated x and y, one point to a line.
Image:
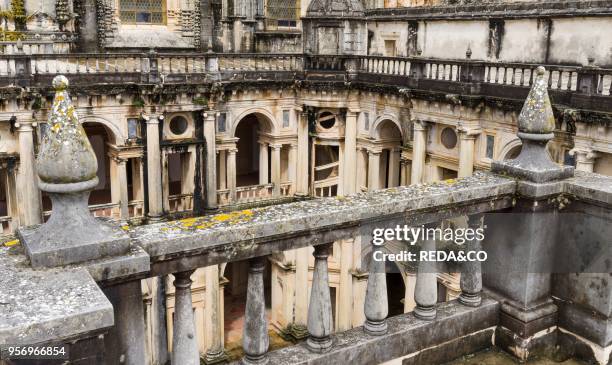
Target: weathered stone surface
47	305
247	230
589	186
406	335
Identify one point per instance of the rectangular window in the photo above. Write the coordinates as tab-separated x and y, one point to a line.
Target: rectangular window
282	13
286	116
221	122
142	11
366	121
390	48
490	146
133	128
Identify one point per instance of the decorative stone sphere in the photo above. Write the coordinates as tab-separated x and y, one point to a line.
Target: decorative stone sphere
66	156
537	115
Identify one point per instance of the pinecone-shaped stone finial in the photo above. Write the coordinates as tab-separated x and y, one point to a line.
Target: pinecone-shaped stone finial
66	156
537	115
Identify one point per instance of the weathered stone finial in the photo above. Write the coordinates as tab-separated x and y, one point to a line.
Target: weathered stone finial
67	169
66	156
536	124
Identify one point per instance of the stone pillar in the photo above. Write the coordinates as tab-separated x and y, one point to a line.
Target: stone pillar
291	171
222	169
301	185
585	159
520	262
276	168
298	328
184	342
426	288
159	333
320	311
410	284
211	161
471	271
419	146
263	163
121	175
125	342
361	175
255	340
231	173
373	170
350	154
212	321
154	173
467	138
405	171
376	306
345	288
29	196
394	168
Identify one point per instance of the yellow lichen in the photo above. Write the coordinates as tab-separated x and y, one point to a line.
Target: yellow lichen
11	243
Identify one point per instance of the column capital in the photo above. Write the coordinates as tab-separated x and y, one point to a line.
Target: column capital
152	118
26	125
468	132
586	154
232	151
420	125
374	151
210	114
276	146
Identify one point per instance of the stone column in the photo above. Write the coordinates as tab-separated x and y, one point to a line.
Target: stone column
376	307
184	342
121	174
361	175
405	171
350	153
291	171
154	175
222	169
467	138
276	168
159	331
263	163
125	343
231	173
426	288
29	196
320	311
211	161
255	340
471	271
419	146
373	170
585	159
301	185
394	168
410	284
298	328
212	321
345	288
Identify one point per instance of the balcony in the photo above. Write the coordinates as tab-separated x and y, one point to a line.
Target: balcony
467	81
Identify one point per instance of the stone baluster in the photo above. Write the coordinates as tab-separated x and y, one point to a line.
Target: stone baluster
184	342
471	271
426	290
319	309
376	307
255	340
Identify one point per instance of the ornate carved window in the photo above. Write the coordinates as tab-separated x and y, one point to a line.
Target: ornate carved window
142	11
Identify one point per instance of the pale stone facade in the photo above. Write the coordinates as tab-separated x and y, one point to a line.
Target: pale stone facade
266	144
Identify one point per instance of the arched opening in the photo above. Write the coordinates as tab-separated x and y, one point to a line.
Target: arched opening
248	164
390	137
513	153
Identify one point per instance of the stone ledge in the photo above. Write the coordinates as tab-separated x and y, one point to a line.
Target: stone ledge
407	335
47	305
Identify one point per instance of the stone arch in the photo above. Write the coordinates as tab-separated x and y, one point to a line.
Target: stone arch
264	117
114	134
509	148
381	122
